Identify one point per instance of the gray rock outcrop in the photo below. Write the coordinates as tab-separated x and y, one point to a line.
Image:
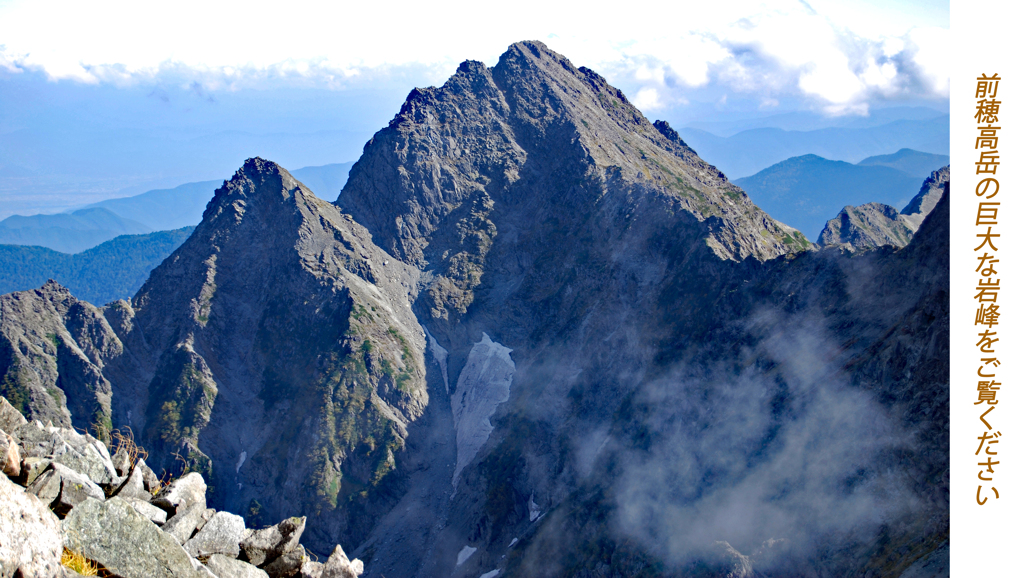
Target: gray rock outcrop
183	493
79	452
221	535
48	333
287	565
155	514
868	225
123	534
62	488
339	566
225	567
30	539
926	199
124	541
10	455
10	418
260	546
134	485
182	525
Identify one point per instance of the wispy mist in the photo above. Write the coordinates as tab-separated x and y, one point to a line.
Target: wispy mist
780	454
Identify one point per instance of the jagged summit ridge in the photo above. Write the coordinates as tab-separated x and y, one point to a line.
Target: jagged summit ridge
498	162
477	133
278	309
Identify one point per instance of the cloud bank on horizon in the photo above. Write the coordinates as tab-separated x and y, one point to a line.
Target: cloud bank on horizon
836	56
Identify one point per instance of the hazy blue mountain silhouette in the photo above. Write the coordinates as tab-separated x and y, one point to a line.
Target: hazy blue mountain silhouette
912	162
183	206
806	120
750	151
110	271
68	232
806	191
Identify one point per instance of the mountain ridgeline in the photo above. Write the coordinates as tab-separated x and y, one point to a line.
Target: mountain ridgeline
535	335
808	190
107	272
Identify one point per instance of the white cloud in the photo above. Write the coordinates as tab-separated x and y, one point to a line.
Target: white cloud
648	99
932	56
767	49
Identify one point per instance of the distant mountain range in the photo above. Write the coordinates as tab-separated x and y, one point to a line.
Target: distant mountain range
915	163
183	206
110	271
68	232
163	209
157	210
750	151
806	121
806	191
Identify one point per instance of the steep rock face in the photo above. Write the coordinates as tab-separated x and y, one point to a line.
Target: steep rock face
814	406
613	289
53	349
877	224
275	351
922	204
546	213
535	147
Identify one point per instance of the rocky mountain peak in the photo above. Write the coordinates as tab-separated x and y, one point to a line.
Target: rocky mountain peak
278	309
486	132
260	182
498	158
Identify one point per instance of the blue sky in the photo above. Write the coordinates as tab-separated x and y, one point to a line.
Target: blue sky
112	96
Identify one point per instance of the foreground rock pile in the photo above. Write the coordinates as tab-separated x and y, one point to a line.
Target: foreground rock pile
64	491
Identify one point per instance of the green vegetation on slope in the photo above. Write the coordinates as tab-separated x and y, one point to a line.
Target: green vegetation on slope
108	272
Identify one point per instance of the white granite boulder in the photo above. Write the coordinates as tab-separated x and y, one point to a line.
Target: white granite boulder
225	567
262	546
10	455
124	541
339	566
63	488
182	525
221	535
186	491
30	542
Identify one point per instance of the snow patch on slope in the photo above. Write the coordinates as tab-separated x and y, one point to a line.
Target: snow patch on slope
484	383
464	554
534	509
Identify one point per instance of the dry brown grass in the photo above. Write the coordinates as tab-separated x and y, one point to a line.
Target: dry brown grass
162	482
126	441
79	563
